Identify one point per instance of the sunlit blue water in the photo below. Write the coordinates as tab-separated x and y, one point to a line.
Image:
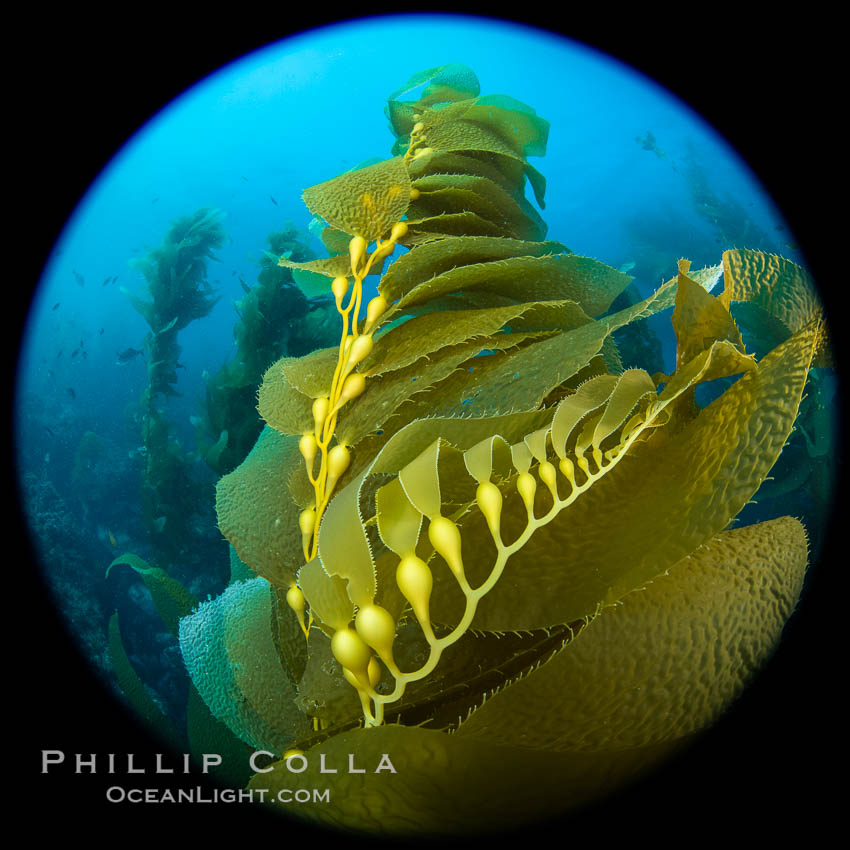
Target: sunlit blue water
251	137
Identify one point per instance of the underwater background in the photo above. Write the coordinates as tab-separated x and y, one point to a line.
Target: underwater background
633	179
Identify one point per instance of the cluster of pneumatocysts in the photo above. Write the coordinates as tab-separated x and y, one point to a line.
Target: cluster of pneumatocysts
346	385
358	646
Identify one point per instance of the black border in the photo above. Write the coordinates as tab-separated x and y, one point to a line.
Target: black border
85	85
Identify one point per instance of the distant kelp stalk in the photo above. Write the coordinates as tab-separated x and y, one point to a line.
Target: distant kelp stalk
179	293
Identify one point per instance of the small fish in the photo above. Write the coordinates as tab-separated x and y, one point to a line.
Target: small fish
779	227
244	178
111	537
101	331
124	357
70	391
155	199
245	286
74	353
49	431
791	246
106	280
56	305
273	200
80	279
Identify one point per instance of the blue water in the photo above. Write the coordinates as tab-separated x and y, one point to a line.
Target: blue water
251	137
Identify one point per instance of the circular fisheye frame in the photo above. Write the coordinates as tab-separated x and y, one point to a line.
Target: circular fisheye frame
426	426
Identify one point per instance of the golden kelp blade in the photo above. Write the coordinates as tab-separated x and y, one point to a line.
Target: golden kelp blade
171	599
344	548
779	286
430	260
774	296
366	202
454	77
699	319
256	513
230	654
612	690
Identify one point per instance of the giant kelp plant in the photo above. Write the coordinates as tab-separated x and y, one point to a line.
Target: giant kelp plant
179	293
490	559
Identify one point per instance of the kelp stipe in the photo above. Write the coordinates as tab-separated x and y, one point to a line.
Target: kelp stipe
495	536
179	294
